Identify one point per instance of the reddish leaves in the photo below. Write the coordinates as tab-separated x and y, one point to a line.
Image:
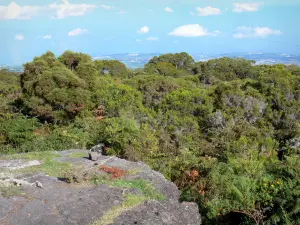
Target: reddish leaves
114	171
99	118
193	175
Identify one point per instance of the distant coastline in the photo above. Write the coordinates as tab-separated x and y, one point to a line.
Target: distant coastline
138	60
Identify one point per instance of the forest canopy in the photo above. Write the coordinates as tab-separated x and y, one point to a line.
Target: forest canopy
226	131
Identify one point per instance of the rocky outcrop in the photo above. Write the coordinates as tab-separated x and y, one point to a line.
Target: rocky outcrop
107	191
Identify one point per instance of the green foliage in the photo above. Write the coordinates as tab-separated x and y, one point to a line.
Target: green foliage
18	130
226	131
225	69
195	102
72	59
179	60
154	88
111	67
118	99
52	92
9	91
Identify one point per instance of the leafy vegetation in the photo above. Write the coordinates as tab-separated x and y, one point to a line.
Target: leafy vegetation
226	131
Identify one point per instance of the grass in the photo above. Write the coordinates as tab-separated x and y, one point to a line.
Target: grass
31	156
145	187
134	171
79	154
148	193
129	202
11	190
48	166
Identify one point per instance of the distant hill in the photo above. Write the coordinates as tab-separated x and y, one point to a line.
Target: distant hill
138	60
17	68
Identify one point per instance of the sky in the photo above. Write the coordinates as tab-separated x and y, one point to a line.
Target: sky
101	27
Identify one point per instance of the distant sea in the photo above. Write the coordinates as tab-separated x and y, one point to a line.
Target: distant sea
138	60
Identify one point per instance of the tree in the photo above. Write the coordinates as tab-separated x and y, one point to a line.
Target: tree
226	69
53	92
154	88
179	60
112	67
72	59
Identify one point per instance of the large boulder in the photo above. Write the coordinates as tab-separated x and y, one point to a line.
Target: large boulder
106	191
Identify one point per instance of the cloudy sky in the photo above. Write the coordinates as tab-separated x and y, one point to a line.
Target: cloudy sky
98	27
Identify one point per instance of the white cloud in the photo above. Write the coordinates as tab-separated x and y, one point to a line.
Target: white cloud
60	10
138	40
208	11
152	39
77	32
47	37
192	13
261	32
107	7
16	12
19	37
121	12
168	9
192	30
215	33
144	30
67	9
246	7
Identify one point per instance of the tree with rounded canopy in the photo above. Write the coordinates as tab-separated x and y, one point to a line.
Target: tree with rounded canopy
225	69
179	60
72	59
60	89
112	67
53	92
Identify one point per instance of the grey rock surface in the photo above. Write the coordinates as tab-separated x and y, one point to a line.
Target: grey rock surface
160	213
61	203
18	164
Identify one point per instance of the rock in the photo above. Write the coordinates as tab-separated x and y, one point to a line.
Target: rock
38	184
94	156
18	164
5	207
96	151
60	203
161	213
15	182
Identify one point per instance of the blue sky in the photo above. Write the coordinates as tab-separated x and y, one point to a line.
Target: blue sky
31	27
